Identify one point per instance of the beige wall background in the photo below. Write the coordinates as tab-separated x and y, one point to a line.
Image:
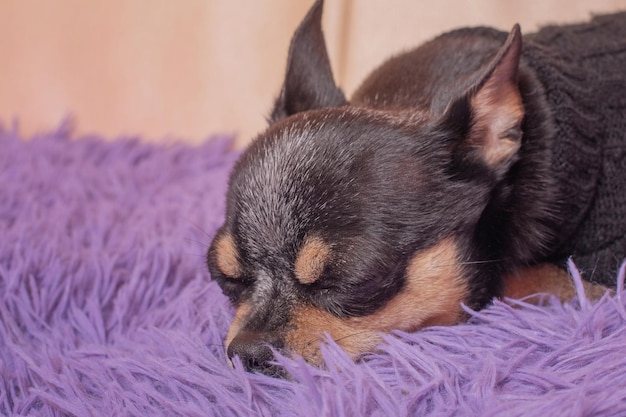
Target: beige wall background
165	69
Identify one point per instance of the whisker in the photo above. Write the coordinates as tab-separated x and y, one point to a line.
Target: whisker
195	255
197	226
318	337
489	261
199	242
352	335
214	344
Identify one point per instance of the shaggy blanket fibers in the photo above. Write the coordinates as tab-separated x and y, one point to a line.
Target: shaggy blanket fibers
107	309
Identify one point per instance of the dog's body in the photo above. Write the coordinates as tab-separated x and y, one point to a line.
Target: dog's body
454	166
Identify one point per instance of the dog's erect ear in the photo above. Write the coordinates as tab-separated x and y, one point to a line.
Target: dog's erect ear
309	82
492	110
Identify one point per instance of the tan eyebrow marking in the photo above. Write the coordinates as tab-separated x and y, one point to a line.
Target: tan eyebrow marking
227	257
311	260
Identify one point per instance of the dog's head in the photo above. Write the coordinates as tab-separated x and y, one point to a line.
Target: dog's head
350	221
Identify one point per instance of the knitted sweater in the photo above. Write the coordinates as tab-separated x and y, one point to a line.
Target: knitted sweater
583	71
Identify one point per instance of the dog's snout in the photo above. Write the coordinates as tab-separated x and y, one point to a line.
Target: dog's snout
255	352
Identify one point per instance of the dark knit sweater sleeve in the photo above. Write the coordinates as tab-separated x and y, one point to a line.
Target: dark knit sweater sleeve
583	71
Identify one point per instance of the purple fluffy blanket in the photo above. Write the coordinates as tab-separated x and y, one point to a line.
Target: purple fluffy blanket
106	308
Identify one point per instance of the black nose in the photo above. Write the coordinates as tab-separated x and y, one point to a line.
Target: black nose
255	352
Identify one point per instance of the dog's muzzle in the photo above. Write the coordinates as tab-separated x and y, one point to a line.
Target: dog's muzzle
255	350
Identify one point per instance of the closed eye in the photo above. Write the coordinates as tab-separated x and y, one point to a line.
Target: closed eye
233	288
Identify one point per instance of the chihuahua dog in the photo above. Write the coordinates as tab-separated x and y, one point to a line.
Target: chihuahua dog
469	168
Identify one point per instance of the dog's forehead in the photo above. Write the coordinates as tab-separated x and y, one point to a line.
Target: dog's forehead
321	170
326	147
292	174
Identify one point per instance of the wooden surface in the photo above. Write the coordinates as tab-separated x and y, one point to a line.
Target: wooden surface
185	69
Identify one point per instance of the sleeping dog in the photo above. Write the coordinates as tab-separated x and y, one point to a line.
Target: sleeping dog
469	168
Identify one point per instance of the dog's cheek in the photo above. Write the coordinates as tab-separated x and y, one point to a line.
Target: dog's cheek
309	325
436	285
435	288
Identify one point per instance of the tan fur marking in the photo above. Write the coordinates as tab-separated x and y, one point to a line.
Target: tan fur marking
227	257
546	279
242	312
311	260
435	288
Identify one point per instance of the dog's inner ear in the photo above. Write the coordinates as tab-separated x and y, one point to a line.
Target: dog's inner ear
494	108
309	82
